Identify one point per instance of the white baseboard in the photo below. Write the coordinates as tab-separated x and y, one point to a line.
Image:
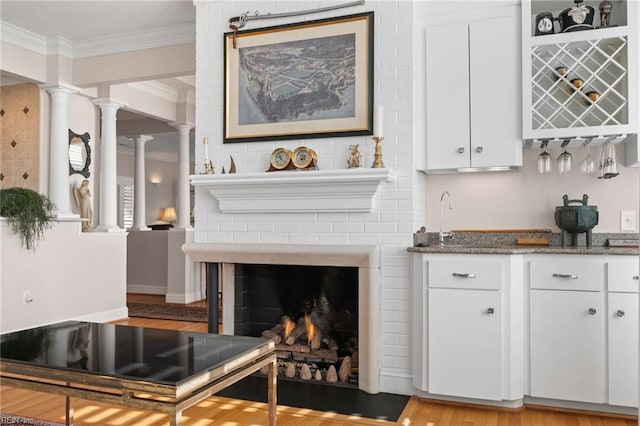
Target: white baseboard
587	406
516	403
146	289
183	298
105	316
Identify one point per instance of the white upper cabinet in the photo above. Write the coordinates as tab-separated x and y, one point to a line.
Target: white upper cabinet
473	91
580	83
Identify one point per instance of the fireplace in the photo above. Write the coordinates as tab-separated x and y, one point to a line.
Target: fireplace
361	261
310	312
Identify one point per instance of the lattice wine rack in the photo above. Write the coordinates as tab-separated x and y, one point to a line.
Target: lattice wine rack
579	84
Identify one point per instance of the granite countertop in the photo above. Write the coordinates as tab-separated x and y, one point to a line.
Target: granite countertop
505	243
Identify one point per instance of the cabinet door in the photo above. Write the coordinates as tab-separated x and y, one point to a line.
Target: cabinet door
568	345
447	86
495	96
465	344
623	349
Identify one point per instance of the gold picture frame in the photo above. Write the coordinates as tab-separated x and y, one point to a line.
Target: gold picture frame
303	80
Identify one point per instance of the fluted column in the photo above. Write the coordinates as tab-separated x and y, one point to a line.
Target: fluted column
108	220
59	191
139	185
182	197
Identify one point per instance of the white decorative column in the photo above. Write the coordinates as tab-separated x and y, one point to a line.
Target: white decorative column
108	220
139	185
182	197
59	191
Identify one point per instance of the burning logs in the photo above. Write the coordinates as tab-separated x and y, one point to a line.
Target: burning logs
302	341
306	353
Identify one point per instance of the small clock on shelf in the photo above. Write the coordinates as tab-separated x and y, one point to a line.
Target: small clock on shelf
302	158
280	160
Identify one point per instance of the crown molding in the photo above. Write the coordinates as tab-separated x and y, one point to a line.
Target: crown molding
59	46
135	40
156	89
98	46
22	38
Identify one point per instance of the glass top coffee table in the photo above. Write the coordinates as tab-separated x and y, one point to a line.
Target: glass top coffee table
155	369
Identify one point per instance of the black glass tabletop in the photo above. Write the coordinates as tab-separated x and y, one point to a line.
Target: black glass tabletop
161	356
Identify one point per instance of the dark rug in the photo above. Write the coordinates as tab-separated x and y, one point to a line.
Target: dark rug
321	397
168	311
12	419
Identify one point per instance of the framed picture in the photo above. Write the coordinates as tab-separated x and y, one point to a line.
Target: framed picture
304	80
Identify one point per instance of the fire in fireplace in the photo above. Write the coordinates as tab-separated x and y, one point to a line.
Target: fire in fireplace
310	312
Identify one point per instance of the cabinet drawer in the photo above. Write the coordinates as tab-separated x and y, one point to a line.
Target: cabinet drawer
464	273
567	274
623	276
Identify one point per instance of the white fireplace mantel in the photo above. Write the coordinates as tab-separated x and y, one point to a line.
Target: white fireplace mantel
341	190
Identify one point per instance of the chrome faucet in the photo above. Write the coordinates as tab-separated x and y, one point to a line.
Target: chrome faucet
443	235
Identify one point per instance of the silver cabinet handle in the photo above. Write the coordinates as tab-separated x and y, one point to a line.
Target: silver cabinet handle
592	311
479	149
567	276
620	313
490	311
462	275
635	277
461	150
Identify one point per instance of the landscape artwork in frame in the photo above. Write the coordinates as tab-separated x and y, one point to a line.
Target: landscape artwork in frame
304	80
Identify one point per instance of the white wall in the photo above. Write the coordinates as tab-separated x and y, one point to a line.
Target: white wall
389	226
71	275
158	196
526	199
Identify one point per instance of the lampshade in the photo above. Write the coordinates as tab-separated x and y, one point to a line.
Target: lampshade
167	214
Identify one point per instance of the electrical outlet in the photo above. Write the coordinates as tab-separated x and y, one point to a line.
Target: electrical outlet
627	220
26	296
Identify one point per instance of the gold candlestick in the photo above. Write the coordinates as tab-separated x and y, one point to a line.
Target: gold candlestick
377	156
208	168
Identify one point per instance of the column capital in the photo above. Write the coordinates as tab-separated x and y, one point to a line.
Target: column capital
59	87
108	102
142	138
178	125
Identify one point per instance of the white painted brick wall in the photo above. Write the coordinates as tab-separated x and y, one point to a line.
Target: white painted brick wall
398	209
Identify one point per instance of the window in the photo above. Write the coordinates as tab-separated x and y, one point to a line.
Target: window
125	202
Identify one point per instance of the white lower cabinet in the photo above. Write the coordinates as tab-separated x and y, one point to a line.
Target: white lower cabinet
467	336
623	333
465	343
575	316
583	328
623	349
567	352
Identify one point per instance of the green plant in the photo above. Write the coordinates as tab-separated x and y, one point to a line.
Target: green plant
28	212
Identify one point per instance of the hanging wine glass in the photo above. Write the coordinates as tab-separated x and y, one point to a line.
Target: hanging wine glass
601	163
564	162
610	164
544	162
587	165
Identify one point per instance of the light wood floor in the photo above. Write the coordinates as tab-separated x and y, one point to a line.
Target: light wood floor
217	411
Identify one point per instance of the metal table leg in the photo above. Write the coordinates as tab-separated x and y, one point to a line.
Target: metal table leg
272	395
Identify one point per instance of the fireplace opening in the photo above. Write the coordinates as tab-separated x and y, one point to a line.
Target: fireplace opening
310	312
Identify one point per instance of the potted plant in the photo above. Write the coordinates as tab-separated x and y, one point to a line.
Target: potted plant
28	212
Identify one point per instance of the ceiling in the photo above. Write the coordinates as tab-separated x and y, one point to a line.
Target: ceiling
82	21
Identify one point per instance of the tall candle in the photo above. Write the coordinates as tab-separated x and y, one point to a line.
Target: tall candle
205	142
377	123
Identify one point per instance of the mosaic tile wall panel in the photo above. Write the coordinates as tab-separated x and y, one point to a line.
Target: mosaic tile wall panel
20	136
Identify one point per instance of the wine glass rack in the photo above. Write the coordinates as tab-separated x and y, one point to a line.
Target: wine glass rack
582	83
599	65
